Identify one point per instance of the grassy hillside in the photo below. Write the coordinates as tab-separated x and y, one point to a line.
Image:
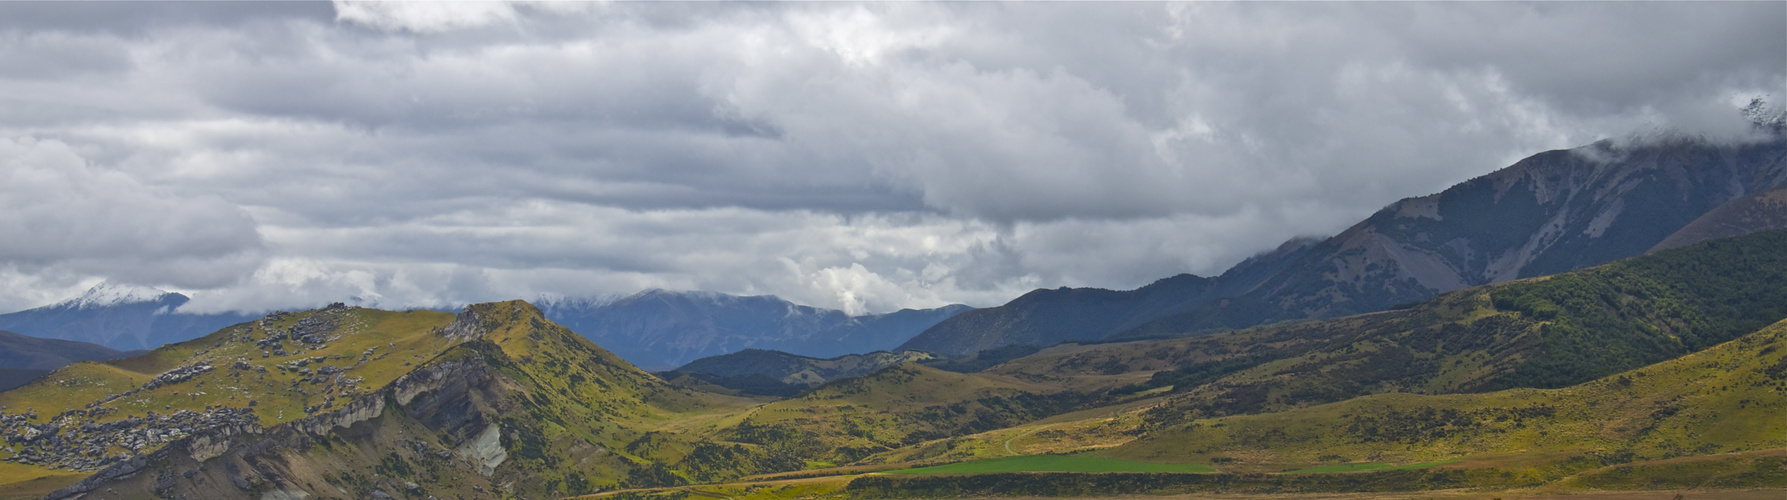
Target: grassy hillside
257	365
1727	399
851	419
356	400
778	373
1713	419
1543	332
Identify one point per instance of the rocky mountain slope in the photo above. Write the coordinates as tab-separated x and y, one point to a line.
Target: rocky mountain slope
1552	212
120	317
1047	317
1740	216
660	329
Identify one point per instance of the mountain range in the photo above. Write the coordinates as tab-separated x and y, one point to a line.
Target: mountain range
1552	212
1663	371
119	317
658	329
661	329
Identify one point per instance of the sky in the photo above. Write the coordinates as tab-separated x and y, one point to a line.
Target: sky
863	157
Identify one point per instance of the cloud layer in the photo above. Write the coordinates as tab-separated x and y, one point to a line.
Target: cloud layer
857	156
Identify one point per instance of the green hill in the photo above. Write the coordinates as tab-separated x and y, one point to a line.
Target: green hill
354	401
852	419
1731	398
1710	420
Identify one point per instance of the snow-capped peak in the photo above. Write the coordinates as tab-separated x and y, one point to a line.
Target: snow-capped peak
111	294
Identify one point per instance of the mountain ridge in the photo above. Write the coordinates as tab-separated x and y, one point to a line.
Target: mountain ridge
656	328
662	329
120	317
1551	212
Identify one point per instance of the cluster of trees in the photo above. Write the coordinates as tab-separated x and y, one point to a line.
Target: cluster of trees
1634	313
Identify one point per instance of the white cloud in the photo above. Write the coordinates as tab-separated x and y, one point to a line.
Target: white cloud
60	214
423	16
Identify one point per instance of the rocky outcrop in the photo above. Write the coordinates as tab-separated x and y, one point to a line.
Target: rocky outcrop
485	451
452	398
467	326
66	443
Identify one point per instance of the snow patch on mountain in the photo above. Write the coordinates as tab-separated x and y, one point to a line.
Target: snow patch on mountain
108	294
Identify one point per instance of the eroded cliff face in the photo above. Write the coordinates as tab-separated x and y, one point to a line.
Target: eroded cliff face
440	418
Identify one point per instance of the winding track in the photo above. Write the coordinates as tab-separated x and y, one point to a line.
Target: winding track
1009	451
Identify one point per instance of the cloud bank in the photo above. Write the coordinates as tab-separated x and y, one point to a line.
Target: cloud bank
865	157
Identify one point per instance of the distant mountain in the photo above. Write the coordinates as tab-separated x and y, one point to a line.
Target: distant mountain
656	329
120	317
23	358
1047	317
661	329
32	353
1552	212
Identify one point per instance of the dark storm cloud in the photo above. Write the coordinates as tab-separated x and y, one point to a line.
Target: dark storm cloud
864	156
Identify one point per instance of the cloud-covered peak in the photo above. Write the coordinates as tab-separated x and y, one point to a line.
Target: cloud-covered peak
108	294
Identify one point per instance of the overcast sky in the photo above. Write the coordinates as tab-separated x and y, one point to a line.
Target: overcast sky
864	157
